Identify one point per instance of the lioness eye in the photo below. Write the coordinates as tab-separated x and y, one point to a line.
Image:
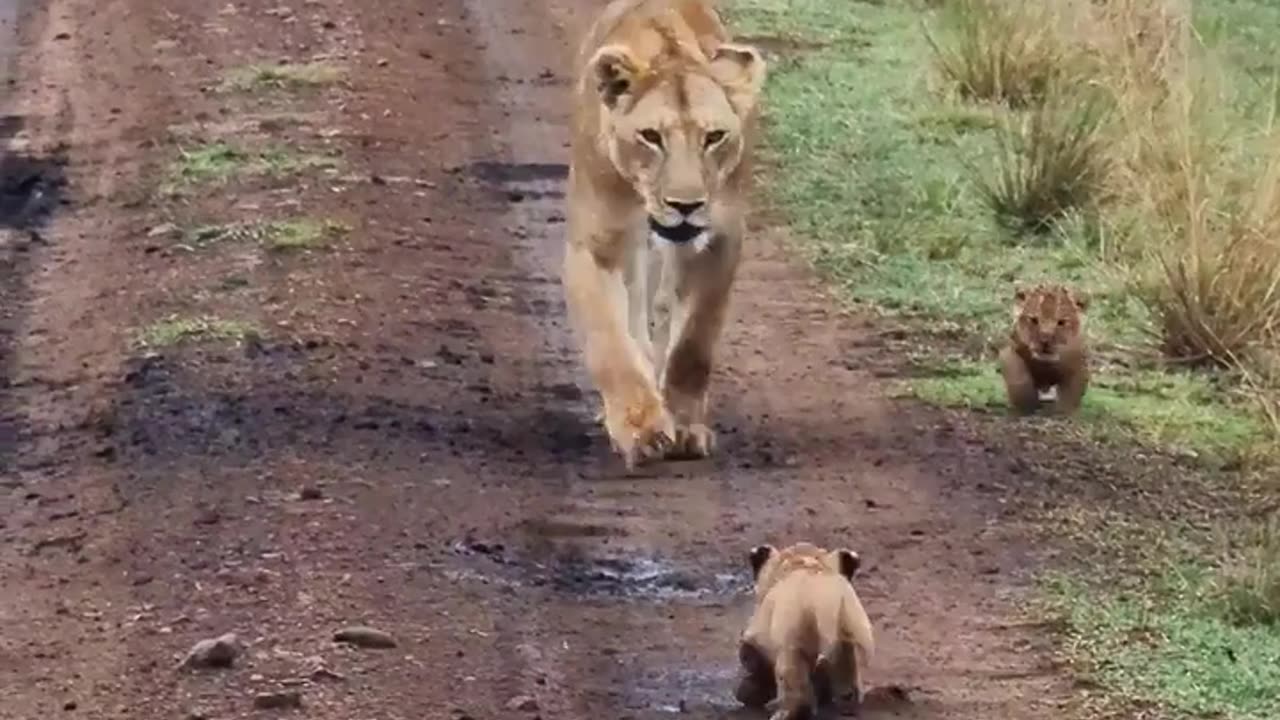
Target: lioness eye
653	137
714	137
1062	322
1035	321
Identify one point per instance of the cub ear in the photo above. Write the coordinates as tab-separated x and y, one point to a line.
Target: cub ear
615	70
740	70
848	562
1081	300
1019	293
759	556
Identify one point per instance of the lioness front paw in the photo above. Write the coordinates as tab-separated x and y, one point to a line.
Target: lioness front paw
641	431
693	442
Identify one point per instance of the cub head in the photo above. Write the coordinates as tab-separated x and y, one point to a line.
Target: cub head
769	565
674	128
1047	318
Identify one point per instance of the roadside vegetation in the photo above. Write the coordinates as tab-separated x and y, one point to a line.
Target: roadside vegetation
929	155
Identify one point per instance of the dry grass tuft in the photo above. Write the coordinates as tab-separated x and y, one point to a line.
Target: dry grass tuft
1002	51
1050	161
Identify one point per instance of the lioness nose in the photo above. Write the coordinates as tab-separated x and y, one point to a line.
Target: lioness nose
686	207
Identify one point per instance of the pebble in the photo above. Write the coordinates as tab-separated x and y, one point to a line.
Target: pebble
219	652
365	637
523	703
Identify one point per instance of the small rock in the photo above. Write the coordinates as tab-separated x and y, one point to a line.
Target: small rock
310	492
162	230
324	674
523	703
365	637
219	652
278	700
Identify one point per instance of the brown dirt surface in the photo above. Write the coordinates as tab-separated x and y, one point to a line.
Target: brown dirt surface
403	440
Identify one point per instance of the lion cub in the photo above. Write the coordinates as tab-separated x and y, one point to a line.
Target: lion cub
1046	348
809	638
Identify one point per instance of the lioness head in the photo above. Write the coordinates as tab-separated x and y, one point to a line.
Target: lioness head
673	128
1046	318
769	565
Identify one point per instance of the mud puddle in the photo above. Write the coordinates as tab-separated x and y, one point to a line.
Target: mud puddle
30	188
615	575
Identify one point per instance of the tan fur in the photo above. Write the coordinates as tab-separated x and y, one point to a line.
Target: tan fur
664	123
1046	348
809	639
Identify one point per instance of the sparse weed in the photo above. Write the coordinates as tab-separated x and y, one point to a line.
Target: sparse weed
175	330
1248	585
281	76
220	162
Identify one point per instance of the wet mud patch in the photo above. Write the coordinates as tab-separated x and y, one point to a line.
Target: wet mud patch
615	575
168	406
31	187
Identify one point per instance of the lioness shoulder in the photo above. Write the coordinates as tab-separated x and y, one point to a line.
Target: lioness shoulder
809	639
1046	348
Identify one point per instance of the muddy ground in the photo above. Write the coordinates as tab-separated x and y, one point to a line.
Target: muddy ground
406	441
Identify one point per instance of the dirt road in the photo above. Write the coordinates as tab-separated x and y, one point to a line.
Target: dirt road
406	439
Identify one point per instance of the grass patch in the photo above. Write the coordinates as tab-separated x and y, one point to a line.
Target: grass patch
218	163
280	236
1178	410
176	330
1168	642
281	76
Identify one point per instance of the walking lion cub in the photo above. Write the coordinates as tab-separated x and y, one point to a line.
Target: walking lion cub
809	639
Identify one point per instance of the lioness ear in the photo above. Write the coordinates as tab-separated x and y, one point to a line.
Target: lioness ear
740	70
615	70
849	562
759	556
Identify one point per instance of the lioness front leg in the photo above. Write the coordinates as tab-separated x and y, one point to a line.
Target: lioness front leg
700	307
635	417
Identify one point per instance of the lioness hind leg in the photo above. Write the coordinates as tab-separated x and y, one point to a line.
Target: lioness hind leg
757	687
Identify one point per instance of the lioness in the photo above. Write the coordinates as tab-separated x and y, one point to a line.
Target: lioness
664	122
809	638
1046	348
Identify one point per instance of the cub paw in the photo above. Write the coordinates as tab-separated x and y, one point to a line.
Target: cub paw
692	442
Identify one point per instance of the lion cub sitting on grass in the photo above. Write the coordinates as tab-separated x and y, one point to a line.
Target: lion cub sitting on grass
1046	349
809	638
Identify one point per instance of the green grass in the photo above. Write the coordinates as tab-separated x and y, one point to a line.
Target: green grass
1173	410
1168	642
218	163
280	235
284	76
176	330
875	169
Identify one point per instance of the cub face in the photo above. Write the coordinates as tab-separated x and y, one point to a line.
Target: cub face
769	565
1047	319
674	128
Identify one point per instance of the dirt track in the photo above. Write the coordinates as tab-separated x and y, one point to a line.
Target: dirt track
419	383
